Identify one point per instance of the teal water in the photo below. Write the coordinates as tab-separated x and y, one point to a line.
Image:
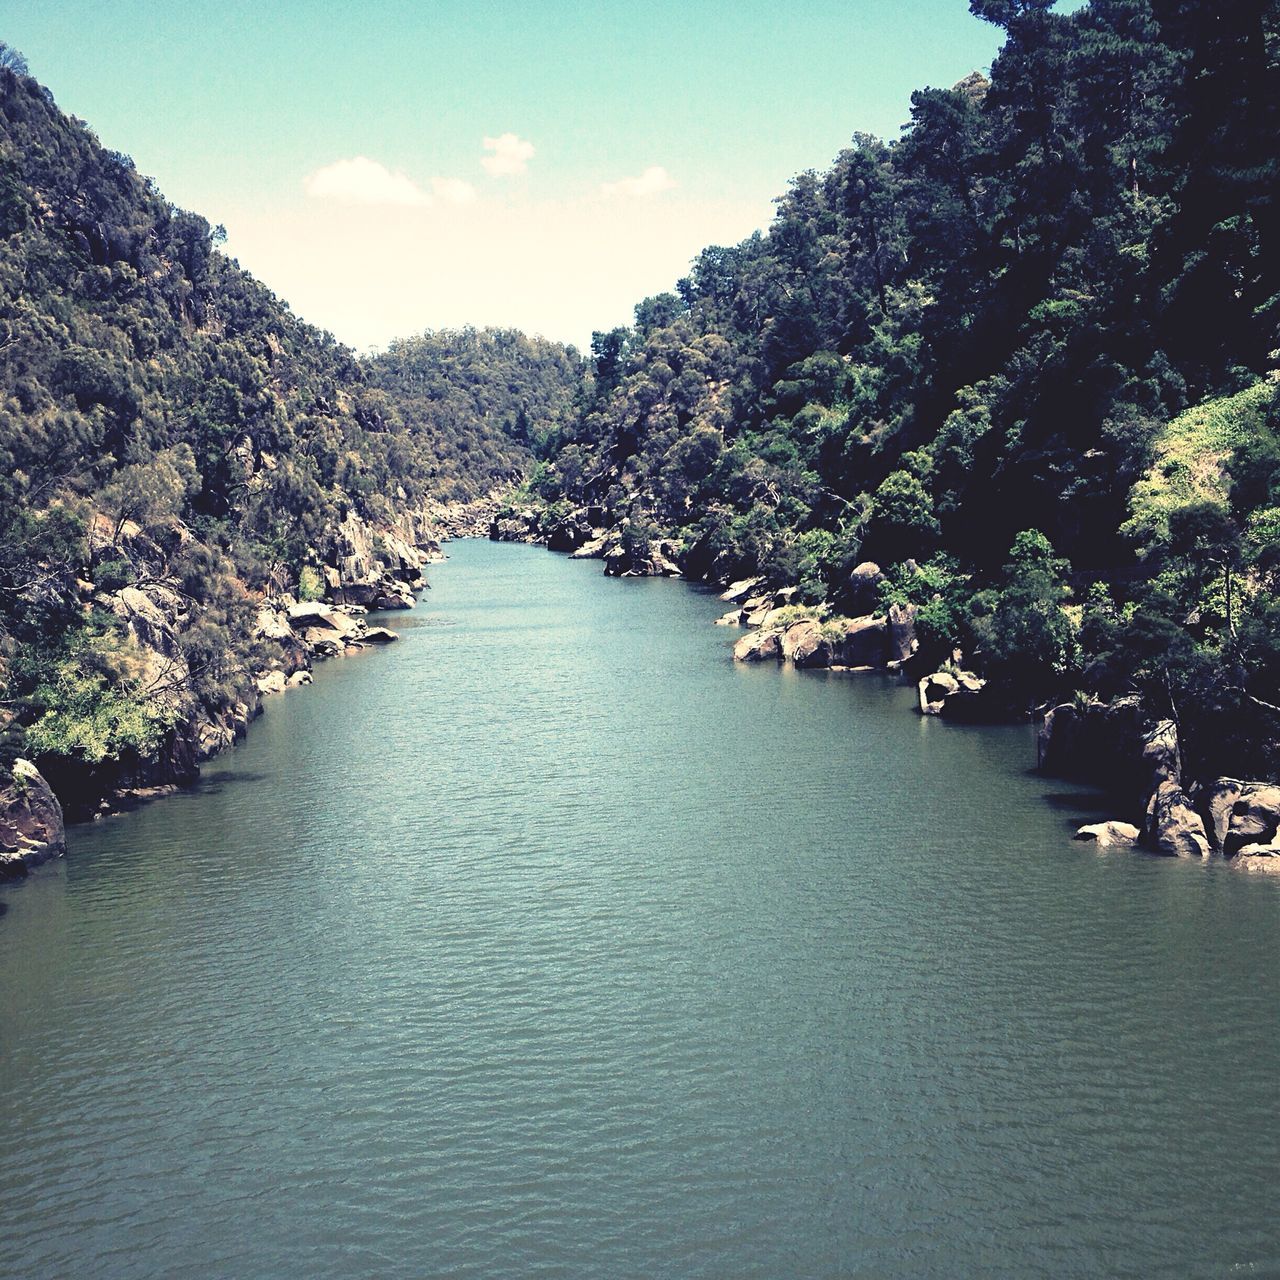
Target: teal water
549	942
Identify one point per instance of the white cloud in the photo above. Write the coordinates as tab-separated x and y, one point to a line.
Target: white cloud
453	190
654	180
364	181
511	155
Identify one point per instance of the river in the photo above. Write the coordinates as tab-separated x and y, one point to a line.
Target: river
551	942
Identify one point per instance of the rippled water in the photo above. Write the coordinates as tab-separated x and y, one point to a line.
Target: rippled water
549	942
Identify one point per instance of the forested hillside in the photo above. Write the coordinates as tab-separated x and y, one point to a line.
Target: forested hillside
176	449
1022	356
477	400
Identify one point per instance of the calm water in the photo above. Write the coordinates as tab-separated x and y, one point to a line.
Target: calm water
551	943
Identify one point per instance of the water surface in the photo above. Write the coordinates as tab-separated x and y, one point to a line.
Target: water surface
549	942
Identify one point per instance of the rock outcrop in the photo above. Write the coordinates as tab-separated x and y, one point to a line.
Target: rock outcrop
759	646
1173	827
1244	817
31	828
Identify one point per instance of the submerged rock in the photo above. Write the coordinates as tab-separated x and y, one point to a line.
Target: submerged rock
1110	833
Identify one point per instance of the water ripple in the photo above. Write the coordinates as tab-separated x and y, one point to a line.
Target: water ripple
550	943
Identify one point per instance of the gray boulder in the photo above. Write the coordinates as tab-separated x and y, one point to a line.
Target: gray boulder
1172	826
902	632
31	825
933	692
864	642
864	587
804	644
1243	816
759	646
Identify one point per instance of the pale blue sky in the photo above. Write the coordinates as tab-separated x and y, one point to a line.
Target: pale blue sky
656	129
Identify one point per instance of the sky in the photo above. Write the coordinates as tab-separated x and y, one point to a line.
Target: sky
389	166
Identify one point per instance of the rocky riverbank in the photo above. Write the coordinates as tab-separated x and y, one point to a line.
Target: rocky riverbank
1114	746
359	566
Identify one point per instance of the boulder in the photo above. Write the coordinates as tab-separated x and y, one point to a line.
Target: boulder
1243	816
934	690
902	632
961	696
299	678
31	825
731	619
804	644
592	549
1112	745
1110	833
863	642
759	646
736	592
863	590
273	623
380	635
1172	826
568	534
272	682
314	613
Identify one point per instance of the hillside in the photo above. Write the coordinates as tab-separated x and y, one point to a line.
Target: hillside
181	458
975	356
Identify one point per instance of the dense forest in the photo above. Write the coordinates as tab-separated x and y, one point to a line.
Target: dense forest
176	447
1022	356
478	401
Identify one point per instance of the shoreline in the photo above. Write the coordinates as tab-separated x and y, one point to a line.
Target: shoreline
1135	763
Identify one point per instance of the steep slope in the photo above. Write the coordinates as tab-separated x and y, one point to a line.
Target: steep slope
478	400
181	461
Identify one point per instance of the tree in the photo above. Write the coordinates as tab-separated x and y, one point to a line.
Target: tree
12	60
1028	643
151	493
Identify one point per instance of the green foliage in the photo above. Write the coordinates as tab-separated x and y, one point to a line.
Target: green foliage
310	583
1200	457
92	706
1027	640
477	402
